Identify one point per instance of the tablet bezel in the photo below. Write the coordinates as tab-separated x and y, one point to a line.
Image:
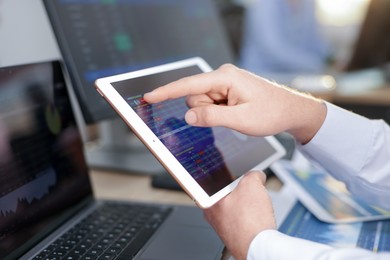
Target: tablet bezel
157	148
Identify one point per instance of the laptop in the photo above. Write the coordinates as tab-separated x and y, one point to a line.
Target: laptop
47	207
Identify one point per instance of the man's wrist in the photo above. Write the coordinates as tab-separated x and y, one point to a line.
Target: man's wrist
310	114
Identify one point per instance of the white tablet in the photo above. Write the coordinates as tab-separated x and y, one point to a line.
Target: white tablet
206	162
327	198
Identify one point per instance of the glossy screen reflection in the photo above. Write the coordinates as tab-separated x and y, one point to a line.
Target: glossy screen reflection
42	169
213	156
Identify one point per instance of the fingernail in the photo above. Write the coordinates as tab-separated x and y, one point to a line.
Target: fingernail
148	95
191	117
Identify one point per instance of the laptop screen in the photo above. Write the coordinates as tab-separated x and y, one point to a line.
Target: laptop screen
42	168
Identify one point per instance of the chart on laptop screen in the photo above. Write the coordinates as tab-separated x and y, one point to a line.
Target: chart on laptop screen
40	151
26	194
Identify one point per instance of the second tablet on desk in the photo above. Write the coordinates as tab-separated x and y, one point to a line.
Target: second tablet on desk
327	198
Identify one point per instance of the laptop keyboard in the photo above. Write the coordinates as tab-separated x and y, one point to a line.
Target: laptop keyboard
112	231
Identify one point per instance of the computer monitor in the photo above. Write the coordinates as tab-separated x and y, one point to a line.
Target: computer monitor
372	48
100	38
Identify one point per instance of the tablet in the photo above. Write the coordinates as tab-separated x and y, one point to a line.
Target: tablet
206	162
327	198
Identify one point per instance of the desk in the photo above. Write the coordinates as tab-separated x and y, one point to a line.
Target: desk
373	103
125	186
377	96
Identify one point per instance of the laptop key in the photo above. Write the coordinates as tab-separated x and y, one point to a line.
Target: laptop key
59	253
107	256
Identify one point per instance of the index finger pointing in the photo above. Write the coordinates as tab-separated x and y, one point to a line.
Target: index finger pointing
213	81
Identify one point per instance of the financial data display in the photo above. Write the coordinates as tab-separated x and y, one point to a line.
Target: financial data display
371	235
213	156
101	38
42	171
319	190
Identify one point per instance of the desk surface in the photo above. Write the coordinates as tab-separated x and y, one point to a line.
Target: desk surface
126	186
377	96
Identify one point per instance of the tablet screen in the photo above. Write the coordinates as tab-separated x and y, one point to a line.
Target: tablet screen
215	156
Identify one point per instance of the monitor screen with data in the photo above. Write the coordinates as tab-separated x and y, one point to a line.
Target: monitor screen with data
100	38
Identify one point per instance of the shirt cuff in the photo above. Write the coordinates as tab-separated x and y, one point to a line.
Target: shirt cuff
334	145
272	244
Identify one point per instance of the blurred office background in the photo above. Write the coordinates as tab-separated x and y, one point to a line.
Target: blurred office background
267	36
338	50
26	35
334	49
321	32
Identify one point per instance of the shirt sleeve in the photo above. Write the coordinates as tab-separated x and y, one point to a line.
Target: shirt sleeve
271	244
355	150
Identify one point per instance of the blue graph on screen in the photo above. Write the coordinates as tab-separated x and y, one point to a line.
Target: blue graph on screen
193	147
371	235
34	190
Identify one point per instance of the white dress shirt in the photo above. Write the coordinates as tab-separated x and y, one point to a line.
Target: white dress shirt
355	150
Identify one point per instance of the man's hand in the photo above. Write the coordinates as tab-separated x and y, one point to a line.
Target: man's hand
240	100
242	214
